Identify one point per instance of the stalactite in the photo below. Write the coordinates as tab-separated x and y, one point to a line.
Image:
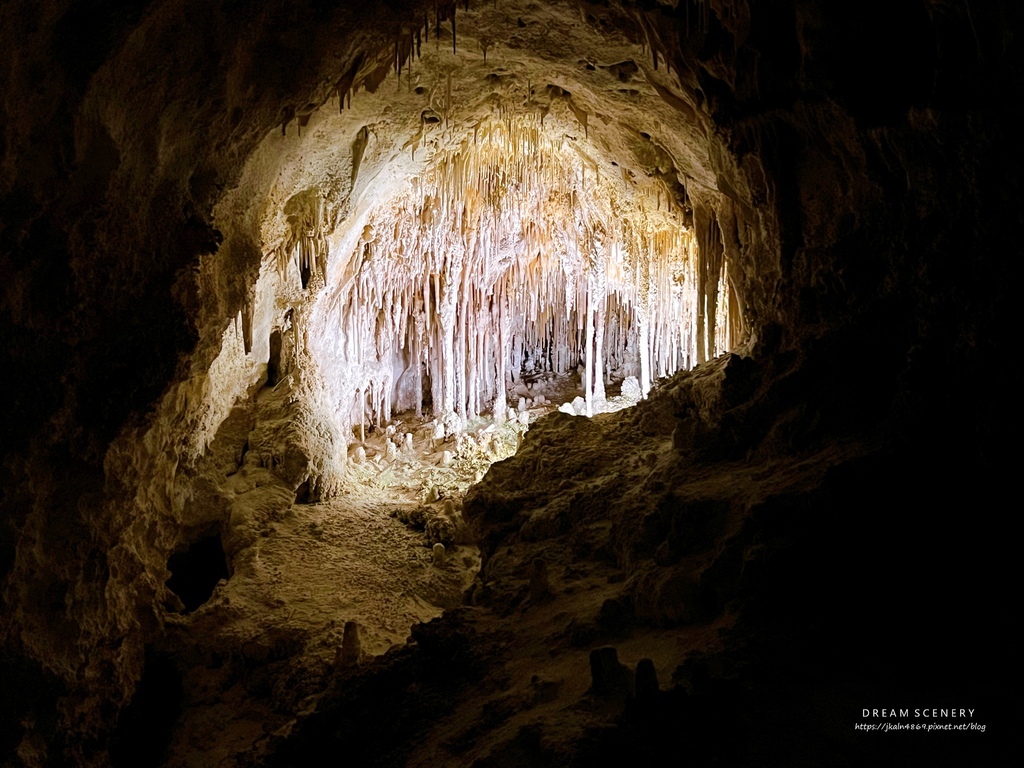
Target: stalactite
600	318
702	221
287	116
711	263
736	312
358	148
714	274
506	259
346	82
247	314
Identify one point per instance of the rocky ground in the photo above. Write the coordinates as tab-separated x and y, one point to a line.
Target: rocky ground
741	631
239	671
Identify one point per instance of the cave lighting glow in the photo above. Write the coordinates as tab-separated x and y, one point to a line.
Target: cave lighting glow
511	254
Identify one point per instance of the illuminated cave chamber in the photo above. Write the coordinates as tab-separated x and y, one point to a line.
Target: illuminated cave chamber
447	235
512	254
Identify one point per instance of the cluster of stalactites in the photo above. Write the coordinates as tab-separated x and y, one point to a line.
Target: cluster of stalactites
305	246
511	255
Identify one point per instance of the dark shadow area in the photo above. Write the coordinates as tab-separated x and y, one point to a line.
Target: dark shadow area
196	571
144	728
274	363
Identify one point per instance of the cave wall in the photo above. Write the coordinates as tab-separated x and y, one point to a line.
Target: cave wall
861	168
123	124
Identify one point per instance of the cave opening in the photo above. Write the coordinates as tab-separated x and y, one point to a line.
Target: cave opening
443	261
196	571
465	249
514	272
274	363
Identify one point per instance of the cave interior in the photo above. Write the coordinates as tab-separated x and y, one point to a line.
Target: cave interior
508	383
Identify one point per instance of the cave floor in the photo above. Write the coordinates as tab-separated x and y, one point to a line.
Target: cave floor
257	660
540	677
267	639
256	657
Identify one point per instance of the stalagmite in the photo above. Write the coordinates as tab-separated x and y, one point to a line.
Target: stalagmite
589	378
351	646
